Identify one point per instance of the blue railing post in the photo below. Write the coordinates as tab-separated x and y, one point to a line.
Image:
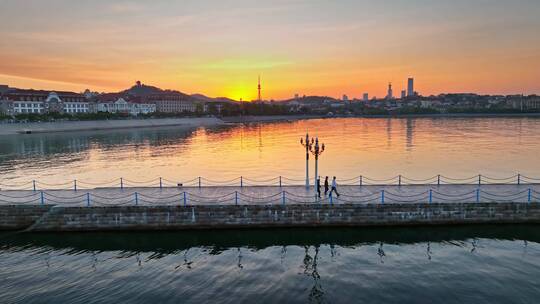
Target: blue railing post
136	198
382	196
185	199
283	197
529	196
160	183
75	185
430	196
360	180
42	197
241	182
87	199
479	179
199	182
331	199
478	195
34	185
121	183
280	181
399	180
438	180
236	197
519	179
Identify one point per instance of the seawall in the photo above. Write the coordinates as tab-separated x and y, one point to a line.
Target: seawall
117	218
69	126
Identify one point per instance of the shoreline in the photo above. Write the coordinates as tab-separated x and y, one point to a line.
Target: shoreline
269	118
450	115
100	125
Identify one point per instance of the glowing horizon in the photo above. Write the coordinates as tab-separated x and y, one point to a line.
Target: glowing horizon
298	47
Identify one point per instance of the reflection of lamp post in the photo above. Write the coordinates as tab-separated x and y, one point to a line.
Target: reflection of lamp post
307	144
316	151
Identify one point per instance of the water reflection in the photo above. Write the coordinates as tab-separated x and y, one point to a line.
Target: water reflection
409	133
163	243
393	265
379	148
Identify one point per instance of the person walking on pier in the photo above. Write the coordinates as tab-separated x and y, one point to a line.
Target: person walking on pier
326	186
334	187
318	186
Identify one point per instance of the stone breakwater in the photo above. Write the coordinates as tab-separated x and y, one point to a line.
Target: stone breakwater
115	218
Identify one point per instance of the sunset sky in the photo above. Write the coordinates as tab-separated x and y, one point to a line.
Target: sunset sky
218	48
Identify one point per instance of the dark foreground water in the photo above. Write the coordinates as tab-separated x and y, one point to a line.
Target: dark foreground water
481	264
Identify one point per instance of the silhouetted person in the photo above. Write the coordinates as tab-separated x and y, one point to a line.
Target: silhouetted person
334	187
326	186
318	185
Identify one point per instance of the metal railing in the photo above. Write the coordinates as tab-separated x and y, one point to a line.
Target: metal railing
279	181
189	198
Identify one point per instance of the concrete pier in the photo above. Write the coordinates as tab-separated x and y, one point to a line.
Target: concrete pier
248	207
263	195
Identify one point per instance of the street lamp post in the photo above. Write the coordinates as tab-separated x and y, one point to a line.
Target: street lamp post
307	144
316	151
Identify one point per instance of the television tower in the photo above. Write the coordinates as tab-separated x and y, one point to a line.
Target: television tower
259	89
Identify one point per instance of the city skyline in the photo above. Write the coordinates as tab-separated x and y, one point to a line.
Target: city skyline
218	49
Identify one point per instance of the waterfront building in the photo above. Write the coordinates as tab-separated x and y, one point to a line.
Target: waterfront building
133	107
345	98
410	87
4	88
172	103
403	94
532	103
521	102
20	101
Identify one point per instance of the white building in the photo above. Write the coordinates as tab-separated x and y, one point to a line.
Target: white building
40	102
71	105
129	108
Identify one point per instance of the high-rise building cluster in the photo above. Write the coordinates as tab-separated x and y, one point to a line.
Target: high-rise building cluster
409	92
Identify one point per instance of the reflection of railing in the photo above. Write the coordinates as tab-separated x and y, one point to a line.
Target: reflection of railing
185	198
280	181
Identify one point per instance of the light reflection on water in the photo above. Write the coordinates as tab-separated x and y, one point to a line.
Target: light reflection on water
482	264
378	148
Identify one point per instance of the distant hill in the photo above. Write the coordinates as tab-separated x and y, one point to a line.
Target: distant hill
205	98
143	90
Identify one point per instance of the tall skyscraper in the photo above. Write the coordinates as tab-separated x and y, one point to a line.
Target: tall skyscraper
366	97
410	87
390	94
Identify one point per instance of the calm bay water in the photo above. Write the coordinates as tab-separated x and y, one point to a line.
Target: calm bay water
378	148
481	264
